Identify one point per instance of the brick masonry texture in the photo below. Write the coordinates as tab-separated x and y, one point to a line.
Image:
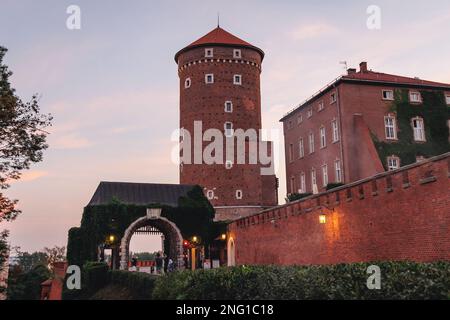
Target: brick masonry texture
398	215
206	103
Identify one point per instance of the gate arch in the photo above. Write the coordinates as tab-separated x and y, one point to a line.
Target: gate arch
167	227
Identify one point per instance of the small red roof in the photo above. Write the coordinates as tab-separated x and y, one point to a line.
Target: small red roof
384	77
219	36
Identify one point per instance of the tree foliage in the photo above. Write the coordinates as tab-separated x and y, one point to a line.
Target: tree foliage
22	136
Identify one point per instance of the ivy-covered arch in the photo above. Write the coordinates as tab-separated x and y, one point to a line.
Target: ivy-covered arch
193	215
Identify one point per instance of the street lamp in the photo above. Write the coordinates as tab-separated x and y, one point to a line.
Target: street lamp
223	236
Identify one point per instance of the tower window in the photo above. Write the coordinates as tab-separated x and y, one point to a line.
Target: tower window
300	119
237	54
419	129
228	129
390	127
415	97
292	185
209	78
239	194
228	106
313	179
291	152
209	53
309	113
388	95
393	163
237	79
210	194
187	83
228	164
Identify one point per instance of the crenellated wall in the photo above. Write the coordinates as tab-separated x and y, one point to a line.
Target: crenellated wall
398	215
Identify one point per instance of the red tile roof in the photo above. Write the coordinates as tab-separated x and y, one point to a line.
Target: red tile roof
219	36
384	77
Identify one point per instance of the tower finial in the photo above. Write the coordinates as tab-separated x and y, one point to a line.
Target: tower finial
218	19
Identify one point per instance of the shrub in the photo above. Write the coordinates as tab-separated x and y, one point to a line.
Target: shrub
334	185
399	280
297	196
139	284
95	276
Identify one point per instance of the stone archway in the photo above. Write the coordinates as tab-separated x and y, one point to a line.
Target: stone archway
168	228
231	253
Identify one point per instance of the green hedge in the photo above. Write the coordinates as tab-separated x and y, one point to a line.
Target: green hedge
399	280
140	284
95	276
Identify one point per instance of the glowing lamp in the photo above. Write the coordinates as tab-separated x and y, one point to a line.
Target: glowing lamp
223	236
194	238
112	238
323	219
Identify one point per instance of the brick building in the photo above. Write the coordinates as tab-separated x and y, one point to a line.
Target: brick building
220	87
361	124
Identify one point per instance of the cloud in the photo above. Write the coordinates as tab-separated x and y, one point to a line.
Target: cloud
70	141
310	31
31	175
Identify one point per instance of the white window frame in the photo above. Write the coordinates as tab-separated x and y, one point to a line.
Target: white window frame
393	163
187	83
333	97
323	137
391	98
447	99
337	171
390	127
239	194
292	184
313	178
228	103
321	106
228	164
228	131
209	53
309	113
207	76
237	53
239	76
311	142
302	183
291	152
335	131
418	131
301	148
412	94
210	194
325	175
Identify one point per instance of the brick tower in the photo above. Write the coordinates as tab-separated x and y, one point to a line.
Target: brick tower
220	86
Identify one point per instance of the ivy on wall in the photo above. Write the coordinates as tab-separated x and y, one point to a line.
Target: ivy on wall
435	113
193	216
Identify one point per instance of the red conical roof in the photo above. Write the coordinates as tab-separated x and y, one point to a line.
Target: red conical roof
219	36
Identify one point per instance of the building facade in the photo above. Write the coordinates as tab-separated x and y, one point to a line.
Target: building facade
220	90
362	124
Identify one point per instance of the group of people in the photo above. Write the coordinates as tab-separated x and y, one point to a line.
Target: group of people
163	264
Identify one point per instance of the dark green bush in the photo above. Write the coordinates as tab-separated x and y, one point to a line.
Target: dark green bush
334	185
139	284
297	196
95	276
399	280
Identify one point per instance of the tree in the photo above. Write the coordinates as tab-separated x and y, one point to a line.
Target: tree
22	137
55	254
27	286
22	141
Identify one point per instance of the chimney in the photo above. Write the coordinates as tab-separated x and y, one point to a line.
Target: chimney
363	67
351	71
